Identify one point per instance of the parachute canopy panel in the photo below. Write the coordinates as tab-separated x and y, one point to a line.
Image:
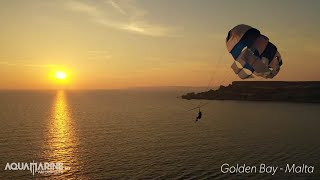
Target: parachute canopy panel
252	52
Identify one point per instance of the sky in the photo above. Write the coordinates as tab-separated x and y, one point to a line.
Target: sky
111	44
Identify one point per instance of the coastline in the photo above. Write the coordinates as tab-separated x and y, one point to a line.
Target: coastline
282	91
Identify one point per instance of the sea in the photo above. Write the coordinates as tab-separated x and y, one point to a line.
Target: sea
152	134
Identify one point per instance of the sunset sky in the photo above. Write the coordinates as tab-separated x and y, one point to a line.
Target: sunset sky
107	44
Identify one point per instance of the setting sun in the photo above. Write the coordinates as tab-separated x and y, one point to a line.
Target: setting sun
61	75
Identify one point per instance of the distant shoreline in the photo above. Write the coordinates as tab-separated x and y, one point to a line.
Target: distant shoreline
277	91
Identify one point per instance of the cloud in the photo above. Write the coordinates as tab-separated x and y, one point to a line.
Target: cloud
121	15
39	65
84	8
6	63
117	7
99	55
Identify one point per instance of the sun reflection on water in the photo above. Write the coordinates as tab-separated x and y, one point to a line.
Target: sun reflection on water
62	140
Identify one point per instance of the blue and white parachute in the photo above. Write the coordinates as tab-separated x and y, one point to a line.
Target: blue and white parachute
253	53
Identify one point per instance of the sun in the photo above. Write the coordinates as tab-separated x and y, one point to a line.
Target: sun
61	75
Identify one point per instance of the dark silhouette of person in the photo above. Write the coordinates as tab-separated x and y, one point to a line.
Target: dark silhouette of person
199	115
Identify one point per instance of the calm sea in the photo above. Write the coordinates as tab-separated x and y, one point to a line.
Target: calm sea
137	134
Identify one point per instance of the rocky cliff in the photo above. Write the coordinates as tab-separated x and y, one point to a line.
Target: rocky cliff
291	91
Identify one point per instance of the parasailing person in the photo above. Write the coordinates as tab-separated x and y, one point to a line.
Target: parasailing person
199	115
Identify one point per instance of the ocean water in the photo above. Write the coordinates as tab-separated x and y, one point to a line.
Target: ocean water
138	134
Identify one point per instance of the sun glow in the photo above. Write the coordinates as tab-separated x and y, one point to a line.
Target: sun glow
60	78
61	75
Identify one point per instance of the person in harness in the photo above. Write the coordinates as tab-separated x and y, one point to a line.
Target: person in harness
199	115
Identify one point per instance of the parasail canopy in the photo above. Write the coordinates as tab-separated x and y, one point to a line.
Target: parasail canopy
253	53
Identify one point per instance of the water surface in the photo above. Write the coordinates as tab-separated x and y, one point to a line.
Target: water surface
136	134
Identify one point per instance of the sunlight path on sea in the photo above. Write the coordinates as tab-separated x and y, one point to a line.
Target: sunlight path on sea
62	142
